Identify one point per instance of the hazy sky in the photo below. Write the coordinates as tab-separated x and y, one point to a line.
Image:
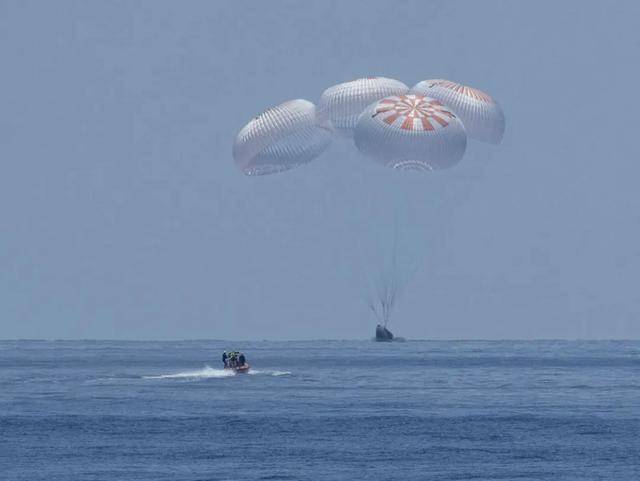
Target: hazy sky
122	214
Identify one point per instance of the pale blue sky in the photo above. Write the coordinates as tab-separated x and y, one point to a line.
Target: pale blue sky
122	214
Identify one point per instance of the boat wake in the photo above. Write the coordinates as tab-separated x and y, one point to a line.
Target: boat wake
208	372
204	373
256	372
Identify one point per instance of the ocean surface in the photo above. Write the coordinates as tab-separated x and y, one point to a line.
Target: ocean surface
320	410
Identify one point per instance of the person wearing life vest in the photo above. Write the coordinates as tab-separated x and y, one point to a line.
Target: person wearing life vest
225	359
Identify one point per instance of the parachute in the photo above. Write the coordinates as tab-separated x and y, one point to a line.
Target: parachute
281	138
342	104
482	117
411	132
421	129
425	128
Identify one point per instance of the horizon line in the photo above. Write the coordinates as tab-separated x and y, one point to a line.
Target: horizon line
541	339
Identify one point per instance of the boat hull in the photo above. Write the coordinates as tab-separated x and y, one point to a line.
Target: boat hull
240	369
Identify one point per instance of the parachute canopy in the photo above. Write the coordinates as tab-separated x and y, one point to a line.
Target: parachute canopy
424	128
411	132
281	138
482	117
342	104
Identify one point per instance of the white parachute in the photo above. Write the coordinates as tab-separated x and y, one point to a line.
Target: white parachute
482	117
411	132
424	128
281	138
342	104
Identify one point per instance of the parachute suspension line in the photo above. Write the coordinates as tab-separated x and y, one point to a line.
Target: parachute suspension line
393	283
388	286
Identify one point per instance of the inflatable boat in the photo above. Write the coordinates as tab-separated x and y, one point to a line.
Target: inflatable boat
240	369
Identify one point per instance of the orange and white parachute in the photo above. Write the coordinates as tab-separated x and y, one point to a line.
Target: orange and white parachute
482	117
342	104
411	132
281	138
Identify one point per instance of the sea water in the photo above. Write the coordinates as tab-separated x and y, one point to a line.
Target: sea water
321	410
